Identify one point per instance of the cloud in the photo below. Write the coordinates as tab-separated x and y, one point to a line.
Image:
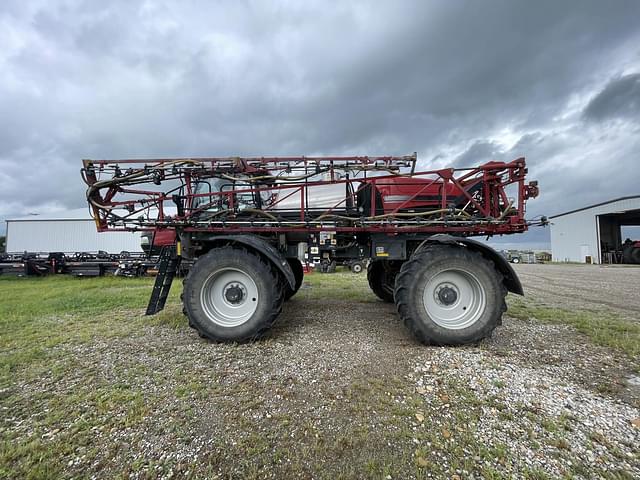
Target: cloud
620	98
480	151
458	82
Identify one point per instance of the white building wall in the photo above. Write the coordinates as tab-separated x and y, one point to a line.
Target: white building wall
575	235
67	236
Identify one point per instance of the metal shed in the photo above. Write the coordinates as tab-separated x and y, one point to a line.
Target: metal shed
592	233
71	231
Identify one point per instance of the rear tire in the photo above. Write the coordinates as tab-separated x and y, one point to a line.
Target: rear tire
450	296
381	276
298	273
232	295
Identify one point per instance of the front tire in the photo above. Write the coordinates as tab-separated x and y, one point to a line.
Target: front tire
449	296
232	295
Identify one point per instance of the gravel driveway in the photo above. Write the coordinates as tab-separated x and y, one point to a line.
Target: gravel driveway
586	287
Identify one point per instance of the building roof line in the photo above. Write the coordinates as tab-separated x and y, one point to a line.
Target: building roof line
630	197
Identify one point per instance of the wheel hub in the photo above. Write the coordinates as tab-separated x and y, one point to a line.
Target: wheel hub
447	295
235	293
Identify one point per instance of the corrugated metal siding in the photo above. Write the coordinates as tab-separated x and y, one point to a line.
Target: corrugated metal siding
570	234
575	235
67	236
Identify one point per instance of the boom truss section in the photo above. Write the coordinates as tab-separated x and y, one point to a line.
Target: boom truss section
307	194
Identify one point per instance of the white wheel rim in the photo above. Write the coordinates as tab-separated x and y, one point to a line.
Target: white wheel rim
454	299
357	268
229	297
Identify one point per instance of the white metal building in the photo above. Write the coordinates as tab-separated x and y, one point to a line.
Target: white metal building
583	235
69	232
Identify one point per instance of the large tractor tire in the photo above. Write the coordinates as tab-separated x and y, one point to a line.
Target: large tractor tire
381	276
232	295
448	295
630	253
298	273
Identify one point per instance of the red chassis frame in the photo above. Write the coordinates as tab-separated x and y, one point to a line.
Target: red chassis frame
487	209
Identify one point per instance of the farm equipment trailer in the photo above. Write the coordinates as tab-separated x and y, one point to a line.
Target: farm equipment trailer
247	224
79	264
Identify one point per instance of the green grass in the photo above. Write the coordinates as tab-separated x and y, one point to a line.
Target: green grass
38	314
41	319
605	329
37	317
342	285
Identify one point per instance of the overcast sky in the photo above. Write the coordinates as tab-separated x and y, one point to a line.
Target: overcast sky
460	82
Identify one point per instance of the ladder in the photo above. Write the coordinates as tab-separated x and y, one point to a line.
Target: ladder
167	269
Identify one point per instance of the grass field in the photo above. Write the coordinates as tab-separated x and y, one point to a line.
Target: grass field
72	407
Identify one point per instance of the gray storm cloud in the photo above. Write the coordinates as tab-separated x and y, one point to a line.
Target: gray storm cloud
620	98
459	82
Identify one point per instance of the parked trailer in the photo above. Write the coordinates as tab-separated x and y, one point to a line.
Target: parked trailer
249	224
81	264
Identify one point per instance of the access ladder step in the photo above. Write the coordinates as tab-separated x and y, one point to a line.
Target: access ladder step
167	269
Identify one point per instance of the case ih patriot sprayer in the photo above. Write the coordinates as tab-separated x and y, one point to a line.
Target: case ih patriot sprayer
249	224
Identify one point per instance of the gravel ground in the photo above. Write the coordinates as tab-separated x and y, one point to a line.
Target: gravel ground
537	414
340	390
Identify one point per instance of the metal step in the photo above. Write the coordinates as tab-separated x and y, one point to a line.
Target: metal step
167	269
